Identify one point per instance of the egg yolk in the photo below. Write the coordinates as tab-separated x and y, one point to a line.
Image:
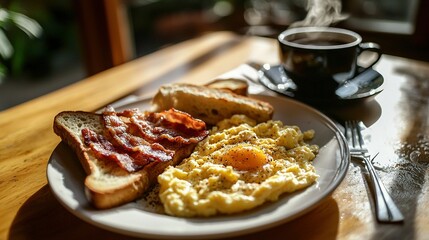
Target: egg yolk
245	157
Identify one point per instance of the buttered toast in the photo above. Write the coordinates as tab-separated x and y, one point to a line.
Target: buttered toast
209	104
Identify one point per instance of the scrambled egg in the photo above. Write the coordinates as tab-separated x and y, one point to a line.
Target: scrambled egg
239	166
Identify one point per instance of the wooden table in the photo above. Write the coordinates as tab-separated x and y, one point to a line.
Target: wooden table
398	119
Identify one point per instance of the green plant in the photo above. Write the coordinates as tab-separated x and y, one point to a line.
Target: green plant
9	20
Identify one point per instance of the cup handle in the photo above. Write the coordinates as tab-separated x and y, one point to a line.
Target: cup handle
373	47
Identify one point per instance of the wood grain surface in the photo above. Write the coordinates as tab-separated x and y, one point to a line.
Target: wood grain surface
398	119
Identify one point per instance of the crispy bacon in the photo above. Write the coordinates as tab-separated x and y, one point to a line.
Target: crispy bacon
172	125
103	149
121	136
133	139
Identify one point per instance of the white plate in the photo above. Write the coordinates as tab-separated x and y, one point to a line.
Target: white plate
66	177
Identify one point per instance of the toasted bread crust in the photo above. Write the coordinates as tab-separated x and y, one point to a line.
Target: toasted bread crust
237	86
209	104
72	137
107	185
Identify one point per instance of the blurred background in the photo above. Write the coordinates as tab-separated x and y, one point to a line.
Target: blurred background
48	44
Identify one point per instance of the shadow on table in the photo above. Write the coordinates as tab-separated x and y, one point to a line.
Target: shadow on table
368	112
43	217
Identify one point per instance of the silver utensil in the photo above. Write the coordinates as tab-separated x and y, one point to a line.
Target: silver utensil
386	209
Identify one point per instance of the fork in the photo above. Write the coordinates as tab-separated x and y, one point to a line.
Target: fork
386	209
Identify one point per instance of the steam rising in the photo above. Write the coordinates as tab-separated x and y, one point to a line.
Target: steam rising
321	13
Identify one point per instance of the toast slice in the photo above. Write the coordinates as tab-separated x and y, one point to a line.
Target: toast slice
210	104
107	185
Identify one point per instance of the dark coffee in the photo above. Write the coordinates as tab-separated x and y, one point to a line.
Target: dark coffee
319	42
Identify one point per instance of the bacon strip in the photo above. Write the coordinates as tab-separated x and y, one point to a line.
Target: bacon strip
139	148
133	139
103	149
172	125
